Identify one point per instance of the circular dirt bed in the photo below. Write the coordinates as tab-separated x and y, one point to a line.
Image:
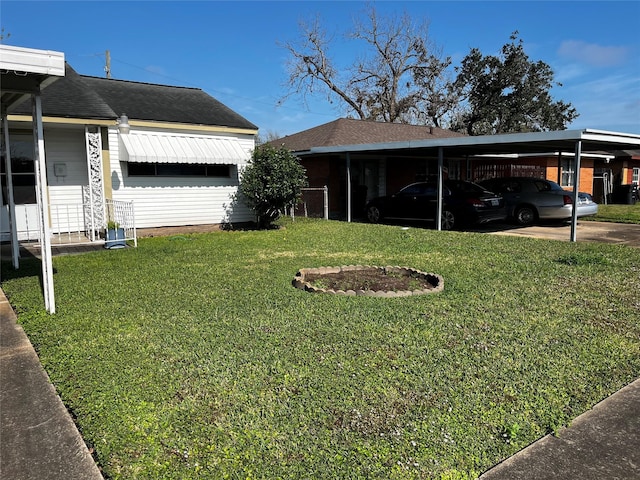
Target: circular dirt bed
368	281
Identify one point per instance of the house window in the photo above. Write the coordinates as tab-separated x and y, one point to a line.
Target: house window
22	170
177	170
635	176
567	169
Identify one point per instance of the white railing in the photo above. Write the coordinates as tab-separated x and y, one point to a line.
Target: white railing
75	223
122	214
70	224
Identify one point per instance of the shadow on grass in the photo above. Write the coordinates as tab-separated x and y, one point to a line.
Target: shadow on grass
29	266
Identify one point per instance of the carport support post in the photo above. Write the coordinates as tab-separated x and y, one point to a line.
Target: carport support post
439	209
13	227
348	187
576	187
40	167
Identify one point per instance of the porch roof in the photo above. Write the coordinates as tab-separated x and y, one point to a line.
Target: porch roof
158	148
25	71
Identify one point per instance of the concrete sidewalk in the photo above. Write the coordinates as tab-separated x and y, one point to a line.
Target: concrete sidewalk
602	443
38	439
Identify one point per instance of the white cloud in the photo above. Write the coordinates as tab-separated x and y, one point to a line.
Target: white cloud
593	54
608	103
565	73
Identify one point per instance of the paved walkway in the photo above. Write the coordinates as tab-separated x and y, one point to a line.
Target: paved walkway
38	439
586	231
603	443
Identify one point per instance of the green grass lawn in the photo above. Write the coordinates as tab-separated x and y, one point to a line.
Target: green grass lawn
617	213
193	356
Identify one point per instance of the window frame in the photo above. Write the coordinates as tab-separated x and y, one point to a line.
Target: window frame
179	170
567	171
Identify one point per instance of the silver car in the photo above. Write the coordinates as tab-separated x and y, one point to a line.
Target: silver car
530	199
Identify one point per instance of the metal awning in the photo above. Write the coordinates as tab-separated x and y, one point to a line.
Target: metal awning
159	148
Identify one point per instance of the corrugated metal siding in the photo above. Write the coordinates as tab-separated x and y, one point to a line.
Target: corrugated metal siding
175	201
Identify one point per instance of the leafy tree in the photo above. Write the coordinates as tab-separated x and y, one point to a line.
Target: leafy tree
271	182
400	77
508	93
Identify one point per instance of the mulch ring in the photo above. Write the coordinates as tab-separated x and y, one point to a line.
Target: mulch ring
368	280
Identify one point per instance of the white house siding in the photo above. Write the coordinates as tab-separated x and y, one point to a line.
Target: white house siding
176	201
66	146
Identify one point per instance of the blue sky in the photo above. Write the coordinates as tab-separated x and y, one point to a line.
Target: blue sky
231	49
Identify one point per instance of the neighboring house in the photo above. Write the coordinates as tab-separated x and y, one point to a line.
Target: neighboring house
174	153
372	174
600	172
364	151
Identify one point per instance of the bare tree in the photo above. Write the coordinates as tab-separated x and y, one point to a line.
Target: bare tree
267	136
400	77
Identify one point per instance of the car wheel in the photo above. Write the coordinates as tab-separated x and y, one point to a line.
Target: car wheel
525	216
448	220
373	214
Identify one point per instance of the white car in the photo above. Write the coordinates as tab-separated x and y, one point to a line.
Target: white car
531	199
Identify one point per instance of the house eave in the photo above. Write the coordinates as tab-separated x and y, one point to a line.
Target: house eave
533	142
50	120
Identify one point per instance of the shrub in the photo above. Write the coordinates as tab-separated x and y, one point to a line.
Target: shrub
272	181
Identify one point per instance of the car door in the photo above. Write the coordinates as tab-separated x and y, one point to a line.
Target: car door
425	203
510	189
415	202
402	204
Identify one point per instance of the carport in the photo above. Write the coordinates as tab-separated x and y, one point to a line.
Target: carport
577	142
24	73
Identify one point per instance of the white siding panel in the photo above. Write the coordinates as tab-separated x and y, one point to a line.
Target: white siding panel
175	201
66	146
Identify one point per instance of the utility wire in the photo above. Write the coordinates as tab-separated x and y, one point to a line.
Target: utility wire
182	82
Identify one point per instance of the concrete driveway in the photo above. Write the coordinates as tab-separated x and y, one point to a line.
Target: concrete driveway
604	232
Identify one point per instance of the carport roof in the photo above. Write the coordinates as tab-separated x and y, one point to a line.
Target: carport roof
25	71
521	143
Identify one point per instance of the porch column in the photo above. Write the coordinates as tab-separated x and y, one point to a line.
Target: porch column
94	201
348	187
576	187
43	203
13	227
439	209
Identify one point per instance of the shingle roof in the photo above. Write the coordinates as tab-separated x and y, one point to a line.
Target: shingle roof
348	131
69	97
79	96
144	101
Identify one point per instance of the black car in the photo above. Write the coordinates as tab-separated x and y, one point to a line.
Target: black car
463	203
